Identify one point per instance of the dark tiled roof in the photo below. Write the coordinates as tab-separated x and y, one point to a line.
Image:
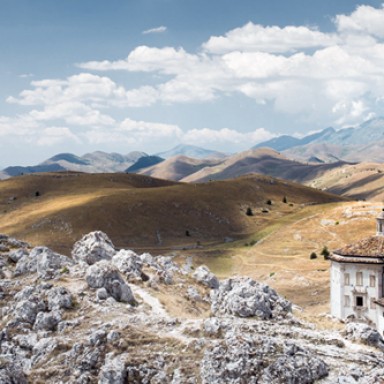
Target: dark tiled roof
370	247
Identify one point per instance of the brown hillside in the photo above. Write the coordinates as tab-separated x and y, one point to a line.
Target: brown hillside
178	167
363	181
142	212
265	161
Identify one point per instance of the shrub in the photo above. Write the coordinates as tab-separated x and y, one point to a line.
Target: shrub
249	212
325	253
313	256
37	193
269	202
285	201
187	233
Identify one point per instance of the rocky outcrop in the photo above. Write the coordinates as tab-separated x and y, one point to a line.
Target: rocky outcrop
364	334
245	297
239	359
104	275
204	276
93	247
47	263
129	264
86	326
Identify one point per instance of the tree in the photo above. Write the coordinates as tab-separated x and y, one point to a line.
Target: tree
325	252
249	211
285	201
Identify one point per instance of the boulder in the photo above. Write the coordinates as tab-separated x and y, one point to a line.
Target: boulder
244	297
204	276
364	334
49	263
93	247
104	275
58	298
42	260
26	311
17	254
128	263
113	371
47	321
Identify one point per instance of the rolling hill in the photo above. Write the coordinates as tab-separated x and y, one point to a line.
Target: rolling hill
138	211
264	161
178	167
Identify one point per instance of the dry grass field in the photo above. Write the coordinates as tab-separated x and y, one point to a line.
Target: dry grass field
141	212
281	255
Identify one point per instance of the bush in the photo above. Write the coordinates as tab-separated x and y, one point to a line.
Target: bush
285	201
187	233
37	193
249	212
325	253
269	202
313	256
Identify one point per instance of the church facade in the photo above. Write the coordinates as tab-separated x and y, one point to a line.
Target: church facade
357	280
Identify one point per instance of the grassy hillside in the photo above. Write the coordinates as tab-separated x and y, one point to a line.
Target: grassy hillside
141	212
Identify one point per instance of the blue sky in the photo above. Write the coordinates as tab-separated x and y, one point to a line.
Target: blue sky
84	75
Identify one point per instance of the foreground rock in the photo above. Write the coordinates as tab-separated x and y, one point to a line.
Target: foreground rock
81	323
245	297
93	247
104	275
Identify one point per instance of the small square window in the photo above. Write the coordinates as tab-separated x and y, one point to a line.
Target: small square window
346	279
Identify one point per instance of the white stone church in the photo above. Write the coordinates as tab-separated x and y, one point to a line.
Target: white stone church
357	280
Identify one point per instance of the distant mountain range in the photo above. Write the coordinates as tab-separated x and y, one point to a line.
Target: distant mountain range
361	144
296	159
192	151
98	162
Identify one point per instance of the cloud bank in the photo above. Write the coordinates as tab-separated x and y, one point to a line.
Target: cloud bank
335	78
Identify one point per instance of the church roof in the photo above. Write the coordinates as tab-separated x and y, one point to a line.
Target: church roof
370	247
369	250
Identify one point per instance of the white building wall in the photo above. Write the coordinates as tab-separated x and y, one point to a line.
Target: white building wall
336	290
340	289
380	320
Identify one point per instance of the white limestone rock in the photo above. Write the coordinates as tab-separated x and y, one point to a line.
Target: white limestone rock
58	298
244	297
246	359
17	254
42	260
47	321
93	247
204	276
113	371
26	311
364	334
104	275
129	264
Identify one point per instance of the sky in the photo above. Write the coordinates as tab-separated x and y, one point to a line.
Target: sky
124	75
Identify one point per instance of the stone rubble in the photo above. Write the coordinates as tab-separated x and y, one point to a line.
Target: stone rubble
96	319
